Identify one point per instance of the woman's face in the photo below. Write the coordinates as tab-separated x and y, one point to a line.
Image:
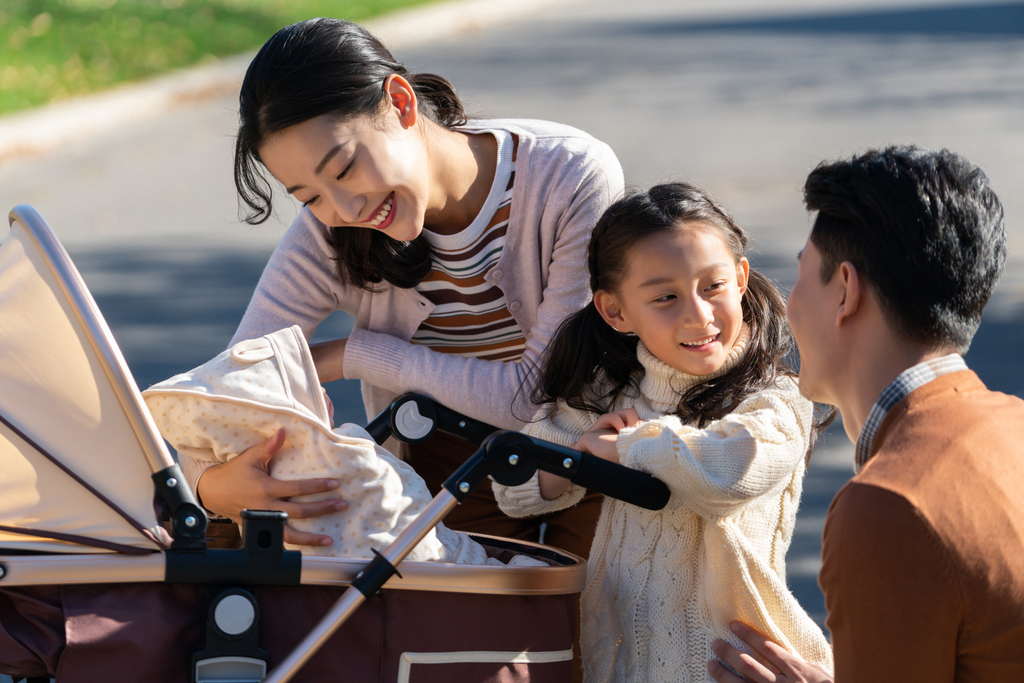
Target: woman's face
366	172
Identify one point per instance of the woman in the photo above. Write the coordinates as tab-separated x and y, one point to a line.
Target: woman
457	245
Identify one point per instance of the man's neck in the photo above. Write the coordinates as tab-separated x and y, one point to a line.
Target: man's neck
871	371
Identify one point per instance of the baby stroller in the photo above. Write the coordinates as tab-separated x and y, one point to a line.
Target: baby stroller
105	569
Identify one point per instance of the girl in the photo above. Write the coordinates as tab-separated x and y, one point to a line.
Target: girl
455	244
676	368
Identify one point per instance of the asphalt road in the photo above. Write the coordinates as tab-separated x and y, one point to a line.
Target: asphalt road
741	99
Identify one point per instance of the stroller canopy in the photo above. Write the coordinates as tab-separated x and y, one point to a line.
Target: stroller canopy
77	445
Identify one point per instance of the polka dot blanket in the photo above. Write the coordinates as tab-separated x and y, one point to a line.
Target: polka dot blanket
240	398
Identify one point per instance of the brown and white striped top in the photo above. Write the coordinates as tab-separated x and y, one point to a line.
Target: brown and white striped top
471	317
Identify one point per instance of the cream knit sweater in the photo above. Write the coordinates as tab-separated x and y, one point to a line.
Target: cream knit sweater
663	585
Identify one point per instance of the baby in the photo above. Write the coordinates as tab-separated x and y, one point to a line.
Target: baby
241	397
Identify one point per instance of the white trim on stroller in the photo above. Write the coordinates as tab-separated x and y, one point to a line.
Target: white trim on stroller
408	659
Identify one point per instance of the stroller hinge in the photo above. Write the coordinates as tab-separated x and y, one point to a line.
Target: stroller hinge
188	520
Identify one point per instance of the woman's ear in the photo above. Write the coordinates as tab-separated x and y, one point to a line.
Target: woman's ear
403	100
608	307
742	274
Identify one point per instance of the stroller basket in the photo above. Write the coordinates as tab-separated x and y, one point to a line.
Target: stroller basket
104	565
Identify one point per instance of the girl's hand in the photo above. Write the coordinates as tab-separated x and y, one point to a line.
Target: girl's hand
329	359
600	442
618	420
602	437
245	482
786	666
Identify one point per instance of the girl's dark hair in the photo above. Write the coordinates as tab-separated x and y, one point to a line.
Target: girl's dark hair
333	67
587	351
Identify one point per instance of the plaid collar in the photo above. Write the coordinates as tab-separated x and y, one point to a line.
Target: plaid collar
907	381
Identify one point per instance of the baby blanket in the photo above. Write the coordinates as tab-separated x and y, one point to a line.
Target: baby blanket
240	399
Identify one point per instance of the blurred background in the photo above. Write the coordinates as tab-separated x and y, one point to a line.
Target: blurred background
743	98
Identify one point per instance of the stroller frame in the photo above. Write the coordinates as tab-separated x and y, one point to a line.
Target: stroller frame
232	645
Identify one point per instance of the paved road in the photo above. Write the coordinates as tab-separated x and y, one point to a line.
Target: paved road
744	101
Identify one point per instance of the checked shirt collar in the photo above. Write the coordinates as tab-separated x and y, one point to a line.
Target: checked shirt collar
907	381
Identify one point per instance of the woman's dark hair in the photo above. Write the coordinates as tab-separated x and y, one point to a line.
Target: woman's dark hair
587	351
333	67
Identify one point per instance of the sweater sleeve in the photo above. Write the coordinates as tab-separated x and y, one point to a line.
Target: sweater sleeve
718	470
497	392
564	426
298	285
894	604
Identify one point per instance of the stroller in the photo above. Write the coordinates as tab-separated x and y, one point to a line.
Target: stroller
105	568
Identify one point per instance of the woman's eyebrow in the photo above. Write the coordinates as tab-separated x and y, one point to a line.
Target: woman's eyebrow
327	157
323	162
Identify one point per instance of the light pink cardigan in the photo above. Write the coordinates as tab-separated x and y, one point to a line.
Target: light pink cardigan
564	179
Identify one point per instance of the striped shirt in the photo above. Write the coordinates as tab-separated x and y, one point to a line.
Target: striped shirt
471	317
906	382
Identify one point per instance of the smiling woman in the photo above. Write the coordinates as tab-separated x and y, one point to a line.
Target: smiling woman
455	244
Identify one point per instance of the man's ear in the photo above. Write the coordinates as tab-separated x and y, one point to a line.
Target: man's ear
403	99
607	305
853	291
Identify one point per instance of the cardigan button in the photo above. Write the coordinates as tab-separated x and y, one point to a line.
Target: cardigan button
496	275
513	307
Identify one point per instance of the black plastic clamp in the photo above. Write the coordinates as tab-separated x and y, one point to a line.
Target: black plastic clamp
374	575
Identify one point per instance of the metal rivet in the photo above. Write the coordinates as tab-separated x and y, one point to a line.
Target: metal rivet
513	459
171	482
462	423
3	571
191	521
464	487
567	463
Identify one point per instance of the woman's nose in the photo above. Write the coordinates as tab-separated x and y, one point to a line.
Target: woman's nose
346	207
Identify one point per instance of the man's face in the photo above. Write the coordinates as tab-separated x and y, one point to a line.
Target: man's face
812	309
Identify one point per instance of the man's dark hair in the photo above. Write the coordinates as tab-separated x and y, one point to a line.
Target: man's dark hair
923	227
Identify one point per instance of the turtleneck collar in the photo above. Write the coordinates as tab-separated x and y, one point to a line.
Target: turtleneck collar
662	384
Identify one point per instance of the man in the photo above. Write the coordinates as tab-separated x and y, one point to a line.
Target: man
923	550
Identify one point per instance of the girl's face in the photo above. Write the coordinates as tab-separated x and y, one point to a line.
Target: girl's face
366	172
682	295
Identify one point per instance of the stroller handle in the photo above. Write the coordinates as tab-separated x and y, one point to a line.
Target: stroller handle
511	458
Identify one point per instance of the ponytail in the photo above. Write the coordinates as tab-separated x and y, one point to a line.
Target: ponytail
587	353
438	99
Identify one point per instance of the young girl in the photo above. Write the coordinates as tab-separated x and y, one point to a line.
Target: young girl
677	368
455	244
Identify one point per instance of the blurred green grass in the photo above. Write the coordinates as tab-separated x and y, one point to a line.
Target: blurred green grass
54	49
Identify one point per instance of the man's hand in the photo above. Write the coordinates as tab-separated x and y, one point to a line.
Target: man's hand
783	666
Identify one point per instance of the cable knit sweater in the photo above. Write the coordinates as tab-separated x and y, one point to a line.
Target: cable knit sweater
663	585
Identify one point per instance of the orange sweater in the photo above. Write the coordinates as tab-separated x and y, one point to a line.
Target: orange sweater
923	558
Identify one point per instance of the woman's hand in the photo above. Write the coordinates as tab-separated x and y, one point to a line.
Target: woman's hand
245	482
329	359
601	439
788	667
